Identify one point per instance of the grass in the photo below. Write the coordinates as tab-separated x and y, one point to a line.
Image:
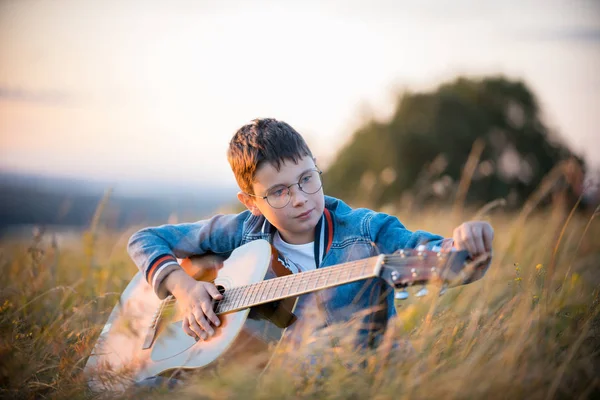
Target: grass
529	329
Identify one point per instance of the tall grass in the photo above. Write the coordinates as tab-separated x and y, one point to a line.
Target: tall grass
528	329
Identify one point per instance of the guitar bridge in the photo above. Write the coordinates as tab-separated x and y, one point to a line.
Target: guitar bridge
151	333
150	336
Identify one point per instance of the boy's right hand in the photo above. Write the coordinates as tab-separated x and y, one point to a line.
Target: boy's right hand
195	299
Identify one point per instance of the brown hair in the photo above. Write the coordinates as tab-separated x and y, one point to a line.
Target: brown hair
263	140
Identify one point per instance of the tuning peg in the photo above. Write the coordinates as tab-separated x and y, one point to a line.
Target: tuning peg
443	289
401	294
422	292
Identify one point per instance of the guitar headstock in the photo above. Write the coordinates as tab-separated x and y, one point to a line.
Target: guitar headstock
419	267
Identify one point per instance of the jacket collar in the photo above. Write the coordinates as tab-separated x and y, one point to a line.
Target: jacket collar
323	235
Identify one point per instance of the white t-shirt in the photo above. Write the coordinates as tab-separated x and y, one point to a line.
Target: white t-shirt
301	258
298	257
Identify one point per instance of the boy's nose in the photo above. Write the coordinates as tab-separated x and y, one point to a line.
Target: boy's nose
298	196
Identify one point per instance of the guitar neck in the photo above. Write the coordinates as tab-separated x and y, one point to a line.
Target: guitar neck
297	284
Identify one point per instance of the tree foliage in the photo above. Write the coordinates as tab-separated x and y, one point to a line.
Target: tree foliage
424	147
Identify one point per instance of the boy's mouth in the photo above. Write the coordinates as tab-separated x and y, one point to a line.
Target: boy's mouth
304	215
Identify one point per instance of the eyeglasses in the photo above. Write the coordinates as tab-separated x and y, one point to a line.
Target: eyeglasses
279	196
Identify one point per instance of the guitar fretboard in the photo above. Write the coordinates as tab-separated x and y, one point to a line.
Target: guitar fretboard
294	285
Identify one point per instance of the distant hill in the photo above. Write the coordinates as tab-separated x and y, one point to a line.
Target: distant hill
40	200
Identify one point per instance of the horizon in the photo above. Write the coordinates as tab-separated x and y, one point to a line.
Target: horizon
126	187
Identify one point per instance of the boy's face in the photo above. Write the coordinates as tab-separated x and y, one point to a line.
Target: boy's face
297	220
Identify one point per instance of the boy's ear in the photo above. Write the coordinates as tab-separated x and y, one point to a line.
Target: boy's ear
315	161
248	201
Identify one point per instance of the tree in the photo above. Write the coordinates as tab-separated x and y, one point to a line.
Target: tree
427	141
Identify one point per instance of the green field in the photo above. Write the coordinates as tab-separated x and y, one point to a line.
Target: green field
528	329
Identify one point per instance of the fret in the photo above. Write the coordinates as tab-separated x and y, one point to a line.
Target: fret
262	286
338	274
252	294
310	278
305	280
299	282
223	303
354	271
273	289
220	305
316	281
276	283
255	293
240	300
226	302
360	268
280	283
269	289
266	290
346	272
260	291
235	293
294	285
289	284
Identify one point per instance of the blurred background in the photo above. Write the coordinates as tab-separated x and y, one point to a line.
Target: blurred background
131	104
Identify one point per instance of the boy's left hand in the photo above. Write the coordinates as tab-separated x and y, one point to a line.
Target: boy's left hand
475	237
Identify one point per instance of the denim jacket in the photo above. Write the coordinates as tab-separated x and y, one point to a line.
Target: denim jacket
343	234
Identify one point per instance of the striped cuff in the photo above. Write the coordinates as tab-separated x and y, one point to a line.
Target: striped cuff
157	271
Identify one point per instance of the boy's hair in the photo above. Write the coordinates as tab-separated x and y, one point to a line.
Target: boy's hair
264	140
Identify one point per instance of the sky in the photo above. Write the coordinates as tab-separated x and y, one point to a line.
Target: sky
154	90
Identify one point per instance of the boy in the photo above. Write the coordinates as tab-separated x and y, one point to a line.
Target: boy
280	185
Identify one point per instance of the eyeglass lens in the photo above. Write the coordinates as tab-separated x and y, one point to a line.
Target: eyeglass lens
309	183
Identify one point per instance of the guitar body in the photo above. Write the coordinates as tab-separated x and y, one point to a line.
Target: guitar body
128	349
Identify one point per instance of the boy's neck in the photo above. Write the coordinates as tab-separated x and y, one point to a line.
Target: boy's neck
298	239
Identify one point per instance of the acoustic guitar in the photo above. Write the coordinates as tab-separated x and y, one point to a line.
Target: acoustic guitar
143	336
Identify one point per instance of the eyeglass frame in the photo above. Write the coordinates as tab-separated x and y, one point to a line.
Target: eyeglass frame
289	190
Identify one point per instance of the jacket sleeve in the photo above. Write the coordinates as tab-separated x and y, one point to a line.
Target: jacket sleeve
155	250
389	235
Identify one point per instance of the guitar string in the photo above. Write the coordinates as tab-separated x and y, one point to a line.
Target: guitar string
306	278
271	286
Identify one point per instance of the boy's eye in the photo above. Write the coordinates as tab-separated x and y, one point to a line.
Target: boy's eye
306	178
278	192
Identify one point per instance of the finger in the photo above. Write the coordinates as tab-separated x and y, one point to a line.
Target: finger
457	238
195	328
468	242
203	323
477	235
185	324
488	237
214	292
217	262
207	307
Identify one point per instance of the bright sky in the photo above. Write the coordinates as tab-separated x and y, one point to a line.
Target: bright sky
155	89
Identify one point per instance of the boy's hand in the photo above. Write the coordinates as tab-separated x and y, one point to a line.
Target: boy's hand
196	301
475	237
